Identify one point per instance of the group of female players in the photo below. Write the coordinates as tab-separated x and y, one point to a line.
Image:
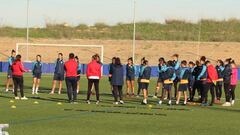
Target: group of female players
184	77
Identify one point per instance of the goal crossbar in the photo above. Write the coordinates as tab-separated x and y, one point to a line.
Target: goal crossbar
61	45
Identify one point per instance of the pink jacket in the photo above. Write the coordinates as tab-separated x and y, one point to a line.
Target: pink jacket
234	76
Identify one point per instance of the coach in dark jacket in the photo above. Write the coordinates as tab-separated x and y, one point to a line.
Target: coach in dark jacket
117	81
227	72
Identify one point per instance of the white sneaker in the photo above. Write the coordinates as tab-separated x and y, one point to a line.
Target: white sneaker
177	102
121	102
24	98
227	104
7	90
170	102
59	92
160	102
88	102
51	93
232	102
77	91
185	102
97	102
17	98
145	101
33	92
115	103
155	97
36	92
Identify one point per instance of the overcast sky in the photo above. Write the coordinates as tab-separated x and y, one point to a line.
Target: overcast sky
13	12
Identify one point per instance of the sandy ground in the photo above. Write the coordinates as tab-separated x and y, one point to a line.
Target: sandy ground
152	50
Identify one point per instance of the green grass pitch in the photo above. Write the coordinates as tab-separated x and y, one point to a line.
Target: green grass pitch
49	118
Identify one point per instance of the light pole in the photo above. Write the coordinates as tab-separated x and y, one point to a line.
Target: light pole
134	30
27	29
199	39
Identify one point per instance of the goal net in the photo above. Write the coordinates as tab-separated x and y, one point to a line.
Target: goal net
49	52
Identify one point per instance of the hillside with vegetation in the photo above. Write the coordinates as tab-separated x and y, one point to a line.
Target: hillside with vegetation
171	30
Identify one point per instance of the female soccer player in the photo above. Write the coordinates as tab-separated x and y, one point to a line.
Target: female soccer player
160	80
93	75
202	77
145	80
139	77
197	83
227	72
168	76
79	70
11	59
17	72
218	87
117	81
183	86
37	73
191	80
130	76
58	73
234	81
176	65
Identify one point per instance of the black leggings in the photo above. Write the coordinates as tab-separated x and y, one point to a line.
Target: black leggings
227	91
117	92
232	91
203	90
18	82
92	82
218	88
209	86
196	86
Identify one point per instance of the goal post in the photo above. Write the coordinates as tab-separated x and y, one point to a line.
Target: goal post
48	49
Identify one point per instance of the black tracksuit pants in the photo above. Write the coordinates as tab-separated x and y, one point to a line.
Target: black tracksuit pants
117	92
18	83
227	88
218	89
209	86
71	83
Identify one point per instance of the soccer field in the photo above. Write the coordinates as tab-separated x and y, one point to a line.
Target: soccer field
48	117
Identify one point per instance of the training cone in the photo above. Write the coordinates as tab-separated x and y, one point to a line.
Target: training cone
36	102
59	103
13	106
150	106
11	101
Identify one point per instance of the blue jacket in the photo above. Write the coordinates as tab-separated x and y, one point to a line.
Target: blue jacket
117	75
146	72
37	67
139	71
59	67
79	70
203	73
220	71
227	72
185	73
130	70
177	68
10	62
169	74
